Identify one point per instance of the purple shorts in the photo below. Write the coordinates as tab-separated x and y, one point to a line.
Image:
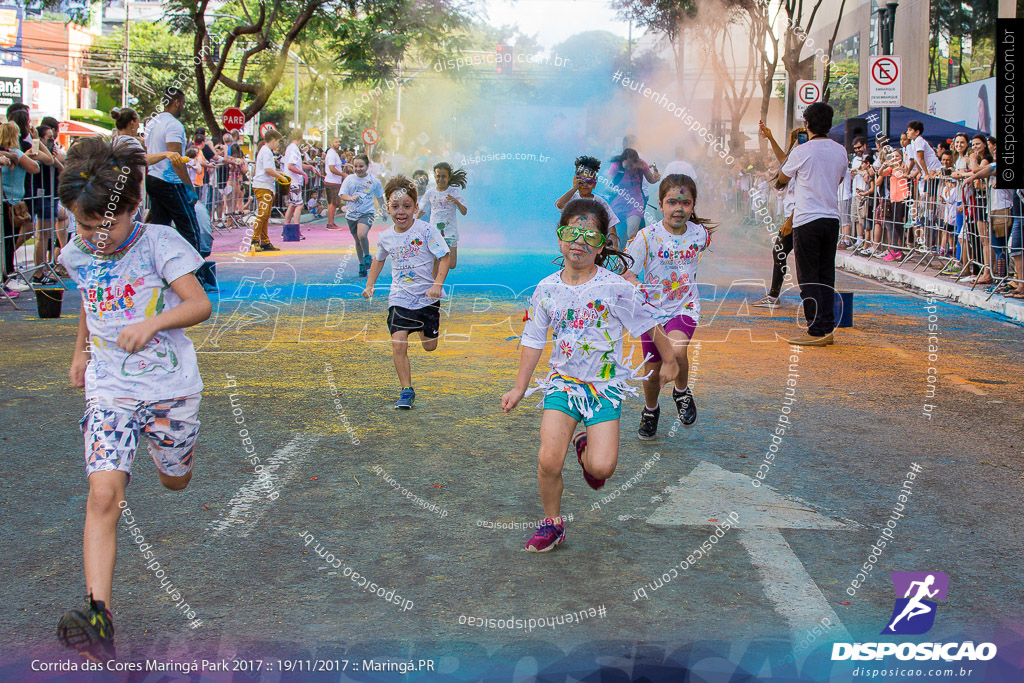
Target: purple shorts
680	322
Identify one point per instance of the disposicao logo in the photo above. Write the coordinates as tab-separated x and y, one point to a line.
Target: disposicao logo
917	594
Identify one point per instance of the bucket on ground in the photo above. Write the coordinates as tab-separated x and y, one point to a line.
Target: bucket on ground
291	232
48	302
844	309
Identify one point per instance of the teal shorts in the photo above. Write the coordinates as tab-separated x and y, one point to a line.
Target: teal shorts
604	411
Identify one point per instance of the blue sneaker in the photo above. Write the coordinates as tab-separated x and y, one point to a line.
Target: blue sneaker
406	399
547	536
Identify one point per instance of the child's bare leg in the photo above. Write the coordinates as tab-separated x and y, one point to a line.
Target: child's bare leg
680	345
175	483
428	344
454	252
400	355
99	546
555	437
602	452
652	387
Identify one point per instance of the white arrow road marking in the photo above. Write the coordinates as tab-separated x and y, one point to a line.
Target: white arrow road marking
252	501
710	492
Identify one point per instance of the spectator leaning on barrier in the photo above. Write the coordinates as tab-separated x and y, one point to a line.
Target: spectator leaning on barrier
14	166
817	167
47	214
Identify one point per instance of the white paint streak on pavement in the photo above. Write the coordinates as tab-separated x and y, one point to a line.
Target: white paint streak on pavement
251	501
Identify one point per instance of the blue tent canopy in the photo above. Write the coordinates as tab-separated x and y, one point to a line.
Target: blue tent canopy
935	129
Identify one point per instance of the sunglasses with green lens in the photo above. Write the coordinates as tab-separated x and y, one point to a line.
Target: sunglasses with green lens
592	238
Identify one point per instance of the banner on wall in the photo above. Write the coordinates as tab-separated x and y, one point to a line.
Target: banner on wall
970	104
11	17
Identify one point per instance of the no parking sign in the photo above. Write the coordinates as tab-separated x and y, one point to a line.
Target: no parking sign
370	136
885	87
807	93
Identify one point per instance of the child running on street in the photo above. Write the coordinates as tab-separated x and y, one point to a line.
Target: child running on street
361	189
442	202
587	308
419	265
665	255
138	367
583	183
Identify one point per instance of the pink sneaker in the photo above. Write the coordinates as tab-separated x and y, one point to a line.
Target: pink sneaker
888	256
580	442
547	536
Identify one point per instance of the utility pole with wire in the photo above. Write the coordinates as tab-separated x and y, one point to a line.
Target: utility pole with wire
127	56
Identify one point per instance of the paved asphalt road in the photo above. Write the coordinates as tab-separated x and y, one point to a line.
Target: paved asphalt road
857	425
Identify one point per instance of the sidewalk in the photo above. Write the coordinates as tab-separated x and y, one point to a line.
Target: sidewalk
940	287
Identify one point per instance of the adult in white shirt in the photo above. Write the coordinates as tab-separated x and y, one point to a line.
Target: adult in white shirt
680	167
333	178
171	197
817	167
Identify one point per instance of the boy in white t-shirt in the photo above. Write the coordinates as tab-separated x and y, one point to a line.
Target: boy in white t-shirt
265	175
295	168
419	265
139	370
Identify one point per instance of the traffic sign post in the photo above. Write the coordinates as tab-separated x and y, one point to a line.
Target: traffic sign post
233	119
397	129
370	137
885	86
807	93
265	127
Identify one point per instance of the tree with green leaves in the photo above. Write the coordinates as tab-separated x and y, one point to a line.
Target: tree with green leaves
245	46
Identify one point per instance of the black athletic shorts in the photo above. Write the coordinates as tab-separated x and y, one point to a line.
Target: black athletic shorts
426	320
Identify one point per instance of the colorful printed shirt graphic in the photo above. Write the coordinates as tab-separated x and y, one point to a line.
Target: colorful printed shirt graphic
443	210
412	261
125	288
364	189
587	325
666	264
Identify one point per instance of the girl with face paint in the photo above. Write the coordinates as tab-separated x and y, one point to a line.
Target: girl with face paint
666	255
588	310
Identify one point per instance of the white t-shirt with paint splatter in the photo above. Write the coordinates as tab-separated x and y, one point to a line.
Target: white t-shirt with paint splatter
442	209
125	288
412	262
666	264
587	323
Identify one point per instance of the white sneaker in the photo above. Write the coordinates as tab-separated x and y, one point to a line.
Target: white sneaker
767	302
17	286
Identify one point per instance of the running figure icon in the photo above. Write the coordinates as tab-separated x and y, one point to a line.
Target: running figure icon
915	607
917	594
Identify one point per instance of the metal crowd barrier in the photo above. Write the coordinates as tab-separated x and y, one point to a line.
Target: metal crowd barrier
38	217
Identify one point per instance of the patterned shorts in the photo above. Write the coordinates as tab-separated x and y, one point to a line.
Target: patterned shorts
112	428
294	195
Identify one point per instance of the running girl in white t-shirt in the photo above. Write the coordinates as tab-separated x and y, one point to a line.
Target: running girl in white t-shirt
419	265
588	310
443	201
665	255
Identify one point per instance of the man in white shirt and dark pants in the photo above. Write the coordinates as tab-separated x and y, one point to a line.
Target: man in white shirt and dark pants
818	168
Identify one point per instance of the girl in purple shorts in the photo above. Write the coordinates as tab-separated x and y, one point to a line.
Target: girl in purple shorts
665	257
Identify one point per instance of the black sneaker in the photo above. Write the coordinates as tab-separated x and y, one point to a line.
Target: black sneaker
686	406
90	633
648	423
269	247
